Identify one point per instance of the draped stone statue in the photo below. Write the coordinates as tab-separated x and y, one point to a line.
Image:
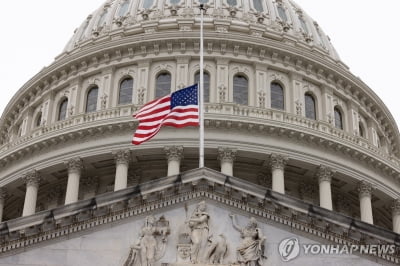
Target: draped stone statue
150	247
198	224
251	250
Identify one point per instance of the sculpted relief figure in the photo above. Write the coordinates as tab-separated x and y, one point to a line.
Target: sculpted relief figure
251	250
151	244
198	224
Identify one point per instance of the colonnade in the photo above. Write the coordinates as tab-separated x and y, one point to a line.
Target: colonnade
226	157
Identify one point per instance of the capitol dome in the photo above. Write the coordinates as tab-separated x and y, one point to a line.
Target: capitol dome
292	138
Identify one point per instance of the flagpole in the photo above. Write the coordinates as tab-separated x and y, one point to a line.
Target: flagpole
201	96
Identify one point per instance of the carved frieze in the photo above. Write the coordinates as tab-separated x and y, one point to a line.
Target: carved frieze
151	244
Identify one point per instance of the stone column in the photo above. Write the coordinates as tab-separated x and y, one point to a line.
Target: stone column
32	181
74	166
174	157
3	195
226	156
324	175
365	193
278	163
396	215
122	158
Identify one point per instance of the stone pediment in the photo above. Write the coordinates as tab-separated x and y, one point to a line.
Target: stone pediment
111	223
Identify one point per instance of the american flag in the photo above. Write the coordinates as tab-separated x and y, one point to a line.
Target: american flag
179	109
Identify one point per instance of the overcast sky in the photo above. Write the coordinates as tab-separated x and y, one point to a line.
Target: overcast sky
365	34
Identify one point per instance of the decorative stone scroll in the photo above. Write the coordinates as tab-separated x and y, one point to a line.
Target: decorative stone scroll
151	245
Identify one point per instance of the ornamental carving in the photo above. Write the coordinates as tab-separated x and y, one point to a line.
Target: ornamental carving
222	93
174	153
74	165
324	173
226	154
122	156
151	244
32	178
396	206
251	250
196	244
364	189
278	161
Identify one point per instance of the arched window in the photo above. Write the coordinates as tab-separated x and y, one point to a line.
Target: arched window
206	85
125	91
163	84
38	120
277	98
303	24
282	13
338	118
361	130
62	110
91	99
240	89
310	106
123	9
102	18
258	5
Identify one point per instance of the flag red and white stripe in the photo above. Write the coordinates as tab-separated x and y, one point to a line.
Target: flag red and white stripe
179	109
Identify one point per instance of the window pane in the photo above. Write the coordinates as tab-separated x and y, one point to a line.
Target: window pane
310	107
338	119
361	130
163	85
62	112
38	120
277	99
206	92
147	3
91	103
282	13
123	9
232	2
303	25
258	5
125	91
174	1
102	18
203	1
240	90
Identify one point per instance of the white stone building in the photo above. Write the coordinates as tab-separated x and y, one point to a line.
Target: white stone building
292	139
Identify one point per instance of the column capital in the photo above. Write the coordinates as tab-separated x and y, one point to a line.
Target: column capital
32	178
364	189
122	156
226	154
278	161
3	193
174	153
74	164
396	206
324	173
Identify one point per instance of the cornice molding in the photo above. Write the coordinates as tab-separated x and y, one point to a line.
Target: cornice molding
196	185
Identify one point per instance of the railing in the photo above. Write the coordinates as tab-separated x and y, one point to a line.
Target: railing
256	114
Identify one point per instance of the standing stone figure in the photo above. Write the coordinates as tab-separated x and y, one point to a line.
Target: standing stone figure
251	250
151	244
198	224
